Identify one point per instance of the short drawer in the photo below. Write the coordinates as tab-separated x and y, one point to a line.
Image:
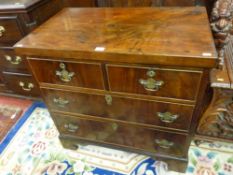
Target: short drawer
11	62
123	135
88	75
10	30
153	113
22	84
171	83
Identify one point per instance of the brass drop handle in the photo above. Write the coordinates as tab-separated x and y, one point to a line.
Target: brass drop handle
15	61
163	143
167	117
108	99
63	74
2	30
28	87
60	101
71	127
151	84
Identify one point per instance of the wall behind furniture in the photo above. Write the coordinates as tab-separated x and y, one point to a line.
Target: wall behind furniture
131	3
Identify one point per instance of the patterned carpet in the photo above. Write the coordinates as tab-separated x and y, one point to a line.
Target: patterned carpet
11	109
36	150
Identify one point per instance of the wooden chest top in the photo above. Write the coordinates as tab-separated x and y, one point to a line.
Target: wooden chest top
166	36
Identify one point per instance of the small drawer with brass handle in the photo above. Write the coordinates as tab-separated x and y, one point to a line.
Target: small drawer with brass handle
167	117
163	143
2	30
76	74
16	60
22	84
26	86
151	84
64	74
71	127
154	81
10	30
61	102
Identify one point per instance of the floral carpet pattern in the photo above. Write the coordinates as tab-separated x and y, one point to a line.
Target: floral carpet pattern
35	150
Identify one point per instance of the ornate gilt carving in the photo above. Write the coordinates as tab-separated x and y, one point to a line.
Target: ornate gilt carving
221	23
217	121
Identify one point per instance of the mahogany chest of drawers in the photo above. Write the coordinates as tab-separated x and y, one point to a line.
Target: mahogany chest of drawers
18	18
132	78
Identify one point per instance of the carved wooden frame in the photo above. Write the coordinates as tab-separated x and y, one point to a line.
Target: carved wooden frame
221	24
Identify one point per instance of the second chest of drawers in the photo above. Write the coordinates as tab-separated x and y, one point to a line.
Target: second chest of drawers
16	20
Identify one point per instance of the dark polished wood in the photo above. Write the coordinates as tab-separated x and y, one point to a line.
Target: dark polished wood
120	134
12	30
22	84
18	18
17	4
173	79
131	110
82	73
11	62
145	43
138	75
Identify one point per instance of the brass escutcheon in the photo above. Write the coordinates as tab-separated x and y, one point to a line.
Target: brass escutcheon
108	99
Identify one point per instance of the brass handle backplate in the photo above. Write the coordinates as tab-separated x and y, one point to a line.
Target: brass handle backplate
15	61
63	74
151	84
2	30
71	127
108	99
60	101
167	117
163	143
27	87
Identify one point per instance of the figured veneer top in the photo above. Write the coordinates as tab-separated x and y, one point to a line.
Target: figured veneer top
170	36
17	4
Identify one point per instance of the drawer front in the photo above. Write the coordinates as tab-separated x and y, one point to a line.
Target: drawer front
173	116
22	84
123	134
10	30
66	73
181	84
11	62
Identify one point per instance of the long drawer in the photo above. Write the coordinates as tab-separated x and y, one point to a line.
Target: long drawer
163	82
123	134
87	75
163	114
